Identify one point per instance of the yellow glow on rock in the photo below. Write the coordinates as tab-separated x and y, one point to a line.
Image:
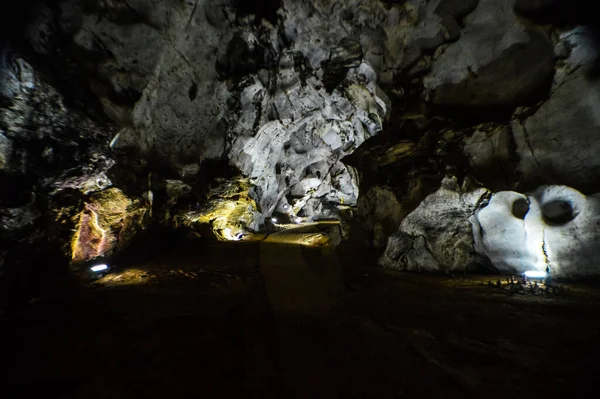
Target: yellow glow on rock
127	277
108	221
229	210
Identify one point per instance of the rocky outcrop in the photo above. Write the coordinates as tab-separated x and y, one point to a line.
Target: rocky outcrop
500	233
52	155
107	224
234	116
379	214
228	212
498	62
438	235
559	142
294	161
554	228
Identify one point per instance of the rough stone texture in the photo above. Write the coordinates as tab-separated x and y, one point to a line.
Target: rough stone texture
488	150
107	224
559	232
294	160
496	63
228	211
5	152
51	156
379	214
283	93
440	230
393	38
559	143
156	65
575	49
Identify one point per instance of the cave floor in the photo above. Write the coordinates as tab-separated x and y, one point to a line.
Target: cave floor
197	322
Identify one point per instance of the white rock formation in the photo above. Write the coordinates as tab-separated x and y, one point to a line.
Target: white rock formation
500	234
561	232
295	159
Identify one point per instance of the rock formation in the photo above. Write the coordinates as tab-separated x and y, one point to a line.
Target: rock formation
555	227
232	114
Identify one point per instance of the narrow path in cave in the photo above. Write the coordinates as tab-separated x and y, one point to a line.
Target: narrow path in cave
237	320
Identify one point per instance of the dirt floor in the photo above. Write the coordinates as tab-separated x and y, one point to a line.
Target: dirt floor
197	322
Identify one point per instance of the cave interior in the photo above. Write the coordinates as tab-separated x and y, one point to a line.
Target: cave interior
299	199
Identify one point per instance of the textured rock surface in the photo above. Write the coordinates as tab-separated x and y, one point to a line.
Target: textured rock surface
559	232
294	161
496	63
51	156
438	235
559	143
228	211
107	224
379	213
230	114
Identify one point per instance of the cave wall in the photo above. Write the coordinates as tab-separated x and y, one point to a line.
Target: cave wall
314	108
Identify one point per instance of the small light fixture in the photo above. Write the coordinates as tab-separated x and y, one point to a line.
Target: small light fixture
99	268
535	274
274	220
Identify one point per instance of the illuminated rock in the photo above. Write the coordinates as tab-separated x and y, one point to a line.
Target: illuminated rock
559	230
501	233
440	230
107	223
5	152
294	161
228	212
568	225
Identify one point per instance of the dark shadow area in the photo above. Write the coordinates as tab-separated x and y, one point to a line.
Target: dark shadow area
194	321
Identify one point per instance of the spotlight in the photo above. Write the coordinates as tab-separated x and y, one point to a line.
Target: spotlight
99	268
535	274
274	220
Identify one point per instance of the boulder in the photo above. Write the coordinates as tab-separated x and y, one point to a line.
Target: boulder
554	228
440	229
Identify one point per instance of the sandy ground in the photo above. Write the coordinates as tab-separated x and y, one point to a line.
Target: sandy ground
198	321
